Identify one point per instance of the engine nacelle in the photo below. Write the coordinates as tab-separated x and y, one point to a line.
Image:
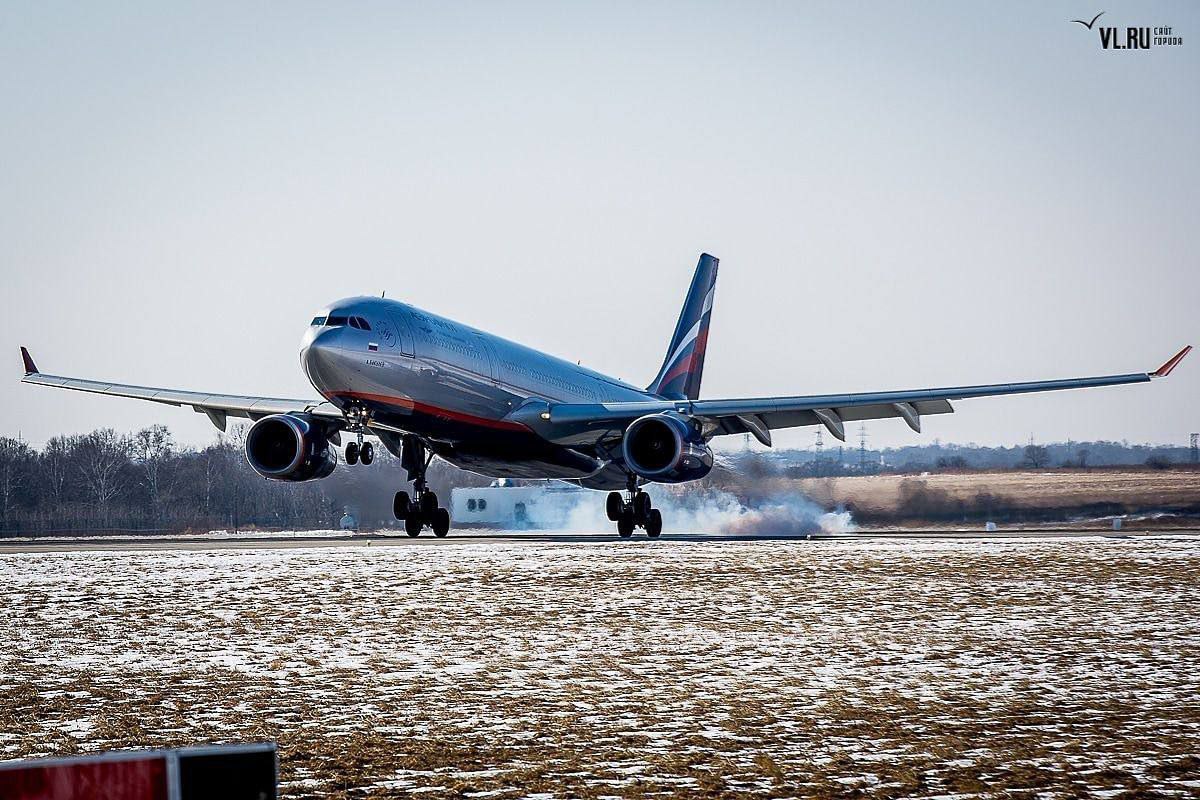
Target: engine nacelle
666	448
289	447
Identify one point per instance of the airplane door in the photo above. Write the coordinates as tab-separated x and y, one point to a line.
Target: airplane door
403	335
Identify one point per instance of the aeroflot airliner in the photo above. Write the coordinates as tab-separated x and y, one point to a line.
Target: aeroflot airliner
425	385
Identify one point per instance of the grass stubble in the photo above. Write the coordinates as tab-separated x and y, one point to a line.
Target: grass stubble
768	669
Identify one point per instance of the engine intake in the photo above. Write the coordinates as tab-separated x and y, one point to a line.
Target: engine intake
289	447
667	448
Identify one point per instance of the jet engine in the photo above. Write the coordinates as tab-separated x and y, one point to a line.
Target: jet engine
289	447
667	448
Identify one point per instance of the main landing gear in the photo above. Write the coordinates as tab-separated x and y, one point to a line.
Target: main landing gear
422	508
633	510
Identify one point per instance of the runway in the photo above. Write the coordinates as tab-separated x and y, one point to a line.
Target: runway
391	539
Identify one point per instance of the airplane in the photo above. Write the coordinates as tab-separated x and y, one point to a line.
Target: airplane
425	385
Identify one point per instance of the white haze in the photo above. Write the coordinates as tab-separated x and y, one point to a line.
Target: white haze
695	511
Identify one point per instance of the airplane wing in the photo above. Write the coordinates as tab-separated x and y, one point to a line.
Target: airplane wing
216	406
573	423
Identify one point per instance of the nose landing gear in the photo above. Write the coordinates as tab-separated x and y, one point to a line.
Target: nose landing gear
422	508
358	450
634	510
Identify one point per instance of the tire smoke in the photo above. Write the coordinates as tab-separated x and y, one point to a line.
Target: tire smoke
712	512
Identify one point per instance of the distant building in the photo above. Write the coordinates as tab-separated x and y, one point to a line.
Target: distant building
503	504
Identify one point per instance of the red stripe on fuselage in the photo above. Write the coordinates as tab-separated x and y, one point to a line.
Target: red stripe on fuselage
433	411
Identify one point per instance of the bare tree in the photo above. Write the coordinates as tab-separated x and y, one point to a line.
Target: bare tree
153	449
103	455
212	457
56	466
1036	456
15	457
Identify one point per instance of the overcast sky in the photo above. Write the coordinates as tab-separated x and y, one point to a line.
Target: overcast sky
901	196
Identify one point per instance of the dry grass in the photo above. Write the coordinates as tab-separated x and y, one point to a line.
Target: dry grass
875	669
1048	490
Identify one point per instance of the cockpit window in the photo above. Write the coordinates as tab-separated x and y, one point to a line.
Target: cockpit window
363	324
354	322
318	321
333	322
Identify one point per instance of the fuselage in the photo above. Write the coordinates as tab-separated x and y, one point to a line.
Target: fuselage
455	386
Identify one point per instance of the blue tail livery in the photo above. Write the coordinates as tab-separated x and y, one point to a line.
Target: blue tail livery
679	377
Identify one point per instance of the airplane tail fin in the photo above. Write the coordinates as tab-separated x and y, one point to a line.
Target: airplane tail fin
679	377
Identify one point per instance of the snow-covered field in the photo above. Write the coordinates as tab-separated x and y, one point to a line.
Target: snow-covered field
877	668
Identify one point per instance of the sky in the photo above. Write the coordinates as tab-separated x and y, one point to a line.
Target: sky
901	196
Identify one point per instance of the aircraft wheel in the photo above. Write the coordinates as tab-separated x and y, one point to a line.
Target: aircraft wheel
352	453
625	523
654	523
366	454
613	506
441	522
401	506
641	507
413	525
429	504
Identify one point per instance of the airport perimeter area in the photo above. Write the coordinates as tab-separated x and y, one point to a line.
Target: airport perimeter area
1030	667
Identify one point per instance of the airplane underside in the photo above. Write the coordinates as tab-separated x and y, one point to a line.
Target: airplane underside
513	453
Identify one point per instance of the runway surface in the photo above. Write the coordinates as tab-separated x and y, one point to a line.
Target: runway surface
392	539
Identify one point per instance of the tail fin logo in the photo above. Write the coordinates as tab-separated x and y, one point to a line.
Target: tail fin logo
681	371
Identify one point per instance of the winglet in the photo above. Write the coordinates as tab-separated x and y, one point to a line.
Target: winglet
30	367
1171	364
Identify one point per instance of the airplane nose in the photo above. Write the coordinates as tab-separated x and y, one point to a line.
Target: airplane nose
317	356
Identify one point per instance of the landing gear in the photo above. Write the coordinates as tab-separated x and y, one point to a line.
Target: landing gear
401	505
634	510
358	450
422	508
625	523
641	507
440	522
613	506
654	523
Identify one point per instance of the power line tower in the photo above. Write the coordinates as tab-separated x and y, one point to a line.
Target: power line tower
1196	448
818	453
862	447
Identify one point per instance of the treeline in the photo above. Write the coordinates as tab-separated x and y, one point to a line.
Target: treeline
1036	455
106	481
938	457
